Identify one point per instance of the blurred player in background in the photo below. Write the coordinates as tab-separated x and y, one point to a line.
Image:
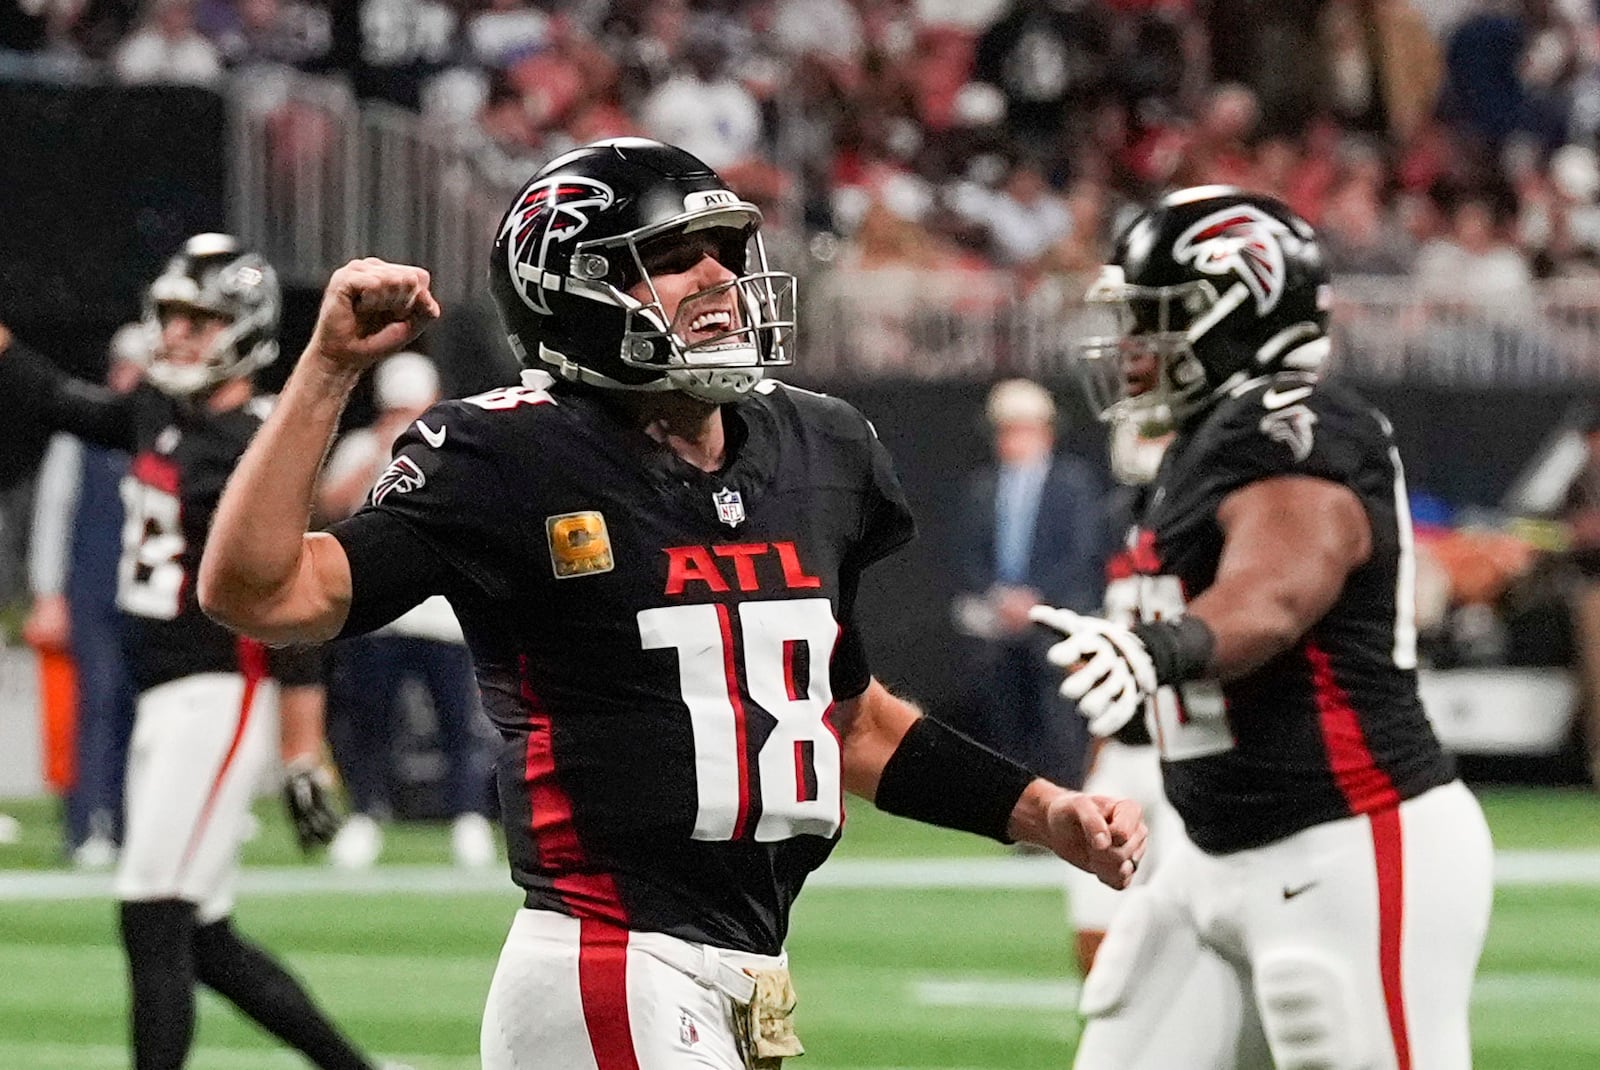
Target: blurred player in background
655	562
1343	872
72	575
425	645
201	738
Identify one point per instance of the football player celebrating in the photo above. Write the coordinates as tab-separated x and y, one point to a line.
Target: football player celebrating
1342	871
202	729
654	553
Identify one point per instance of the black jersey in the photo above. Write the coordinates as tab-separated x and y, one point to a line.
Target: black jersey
182	457
659	647
1333	726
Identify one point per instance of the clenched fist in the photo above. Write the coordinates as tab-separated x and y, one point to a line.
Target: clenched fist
1102	835
371	309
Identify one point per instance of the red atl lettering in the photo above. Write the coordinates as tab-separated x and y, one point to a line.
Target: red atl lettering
688	564
744	565
793	575
698	564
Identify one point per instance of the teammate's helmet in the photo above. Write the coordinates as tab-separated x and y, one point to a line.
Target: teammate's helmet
1220	286
586	228
215	273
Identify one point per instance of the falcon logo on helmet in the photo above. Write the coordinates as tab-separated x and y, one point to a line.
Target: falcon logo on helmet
1239	240
549	212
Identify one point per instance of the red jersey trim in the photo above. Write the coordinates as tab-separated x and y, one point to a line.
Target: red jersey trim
1365	786
588	893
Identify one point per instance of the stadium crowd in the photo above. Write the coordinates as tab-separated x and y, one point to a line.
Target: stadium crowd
1453	141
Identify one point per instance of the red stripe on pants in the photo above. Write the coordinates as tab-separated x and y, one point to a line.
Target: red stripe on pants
253	667
603	984
1387	848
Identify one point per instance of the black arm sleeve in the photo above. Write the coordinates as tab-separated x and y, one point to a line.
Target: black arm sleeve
297	665
392	569
62	403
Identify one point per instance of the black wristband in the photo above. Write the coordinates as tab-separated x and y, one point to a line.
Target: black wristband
1179	649
941	777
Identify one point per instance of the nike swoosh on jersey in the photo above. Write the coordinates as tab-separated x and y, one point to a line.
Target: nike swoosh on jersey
1290	893
434	438
1272	398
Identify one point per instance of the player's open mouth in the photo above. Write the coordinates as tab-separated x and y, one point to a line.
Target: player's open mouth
710	324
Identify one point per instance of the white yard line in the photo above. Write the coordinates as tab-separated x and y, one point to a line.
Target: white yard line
1512	868
1036	994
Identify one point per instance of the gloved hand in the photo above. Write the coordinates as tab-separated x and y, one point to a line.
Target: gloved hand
308	795
1109	673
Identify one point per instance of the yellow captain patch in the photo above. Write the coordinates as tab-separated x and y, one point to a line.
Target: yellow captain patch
579	544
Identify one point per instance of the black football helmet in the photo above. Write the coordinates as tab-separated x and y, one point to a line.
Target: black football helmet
217	274
595	222
1219	286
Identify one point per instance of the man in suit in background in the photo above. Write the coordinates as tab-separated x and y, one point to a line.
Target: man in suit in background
1032	531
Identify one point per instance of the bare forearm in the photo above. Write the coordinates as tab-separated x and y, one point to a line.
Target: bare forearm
300	724
257	544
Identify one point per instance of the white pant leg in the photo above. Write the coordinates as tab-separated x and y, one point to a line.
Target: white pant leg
1449	883
571	995
1158	998
1363	934
198	748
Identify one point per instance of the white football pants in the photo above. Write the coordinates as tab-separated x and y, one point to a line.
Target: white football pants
199	748
1348	946
580	995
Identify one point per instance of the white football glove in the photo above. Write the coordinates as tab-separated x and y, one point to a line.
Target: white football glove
1109	674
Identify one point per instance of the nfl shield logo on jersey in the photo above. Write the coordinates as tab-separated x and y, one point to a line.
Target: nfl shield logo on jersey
730	507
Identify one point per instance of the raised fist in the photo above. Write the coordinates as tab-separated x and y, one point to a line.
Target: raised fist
371	309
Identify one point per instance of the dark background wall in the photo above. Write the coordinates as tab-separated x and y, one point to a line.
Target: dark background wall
98	185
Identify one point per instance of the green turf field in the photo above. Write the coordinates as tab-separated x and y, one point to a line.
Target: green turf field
889	976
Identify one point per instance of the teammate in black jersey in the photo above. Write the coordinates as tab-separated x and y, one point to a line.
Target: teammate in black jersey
201	736
1342	871
654	553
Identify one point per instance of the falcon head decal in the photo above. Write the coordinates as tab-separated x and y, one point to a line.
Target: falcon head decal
1242	241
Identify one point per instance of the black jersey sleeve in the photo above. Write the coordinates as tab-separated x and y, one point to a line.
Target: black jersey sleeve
1286	428
437	521
63	403
886	520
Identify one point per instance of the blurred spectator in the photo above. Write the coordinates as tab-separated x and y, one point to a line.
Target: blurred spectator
1031	532
403	44
168	48
1484	63
72	571
704	110
1475	267
1360	233
1218	151
425	645
1027	218
506	32
1051	59
284	32
828	29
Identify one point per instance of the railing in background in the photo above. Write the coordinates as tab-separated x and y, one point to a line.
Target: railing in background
318	178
